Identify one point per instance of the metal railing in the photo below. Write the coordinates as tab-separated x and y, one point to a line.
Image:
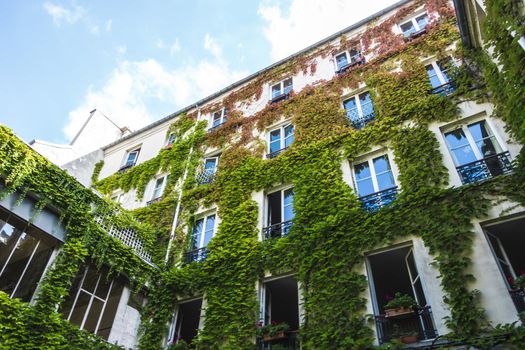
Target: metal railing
276	153
127	236
281	97
290	342
154	200
215	127
444	90
374	201
419	324
206	176
277	230
199	254
125	167
360	121
415	34
518	297
486	168
354	61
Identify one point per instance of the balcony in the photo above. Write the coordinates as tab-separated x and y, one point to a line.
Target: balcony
276	153
354	61
359	121
446	89
154	200
277	230
518	297
199	254
205	177
417	325
374	201
287	341
486	168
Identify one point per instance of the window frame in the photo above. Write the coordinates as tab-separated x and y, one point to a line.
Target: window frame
170	140
282	138
416	26
356	98
370	160
128	153
439	72
222	118
281	88
349	58
204	218
164	179
282	205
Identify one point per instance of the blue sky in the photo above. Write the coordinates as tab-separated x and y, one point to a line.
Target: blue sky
138	61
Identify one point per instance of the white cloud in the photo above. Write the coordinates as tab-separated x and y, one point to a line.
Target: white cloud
308	21
121	49
108	25
175	47
135	86
211	45
61	14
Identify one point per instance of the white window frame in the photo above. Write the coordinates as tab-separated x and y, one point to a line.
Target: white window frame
116	197
281	87
358	102
464	127
437	69
171	139
370	160
282	140
348	58
92	296
216	163
205	217
128	153
173	331
267	206
414	23
222	118
164	179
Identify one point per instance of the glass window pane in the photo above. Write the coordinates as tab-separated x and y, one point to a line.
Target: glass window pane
276	90
287	85
461	150
17	263
80	308
366	103
66	306
341	60
363	177
354	55
385	181
381	164
351	109
196	234
362	171
210	163
445	66
103	285
132	156
93	315
110	310
408	28
288	204
484	138
9	236
422	21
34	271
275	140
91	279
288	135
432	75
210	227
456	139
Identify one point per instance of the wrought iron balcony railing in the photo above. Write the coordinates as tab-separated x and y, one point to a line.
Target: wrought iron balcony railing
276	153
374	201
277	230
215	127
444	90
280	97
360	121
486	168
354	61
199	254
518	297
419	324
206	176
154	200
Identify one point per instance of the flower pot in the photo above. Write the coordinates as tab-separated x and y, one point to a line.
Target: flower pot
276	336
398	312
408	339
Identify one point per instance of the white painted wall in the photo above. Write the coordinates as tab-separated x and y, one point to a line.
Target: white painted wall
125	327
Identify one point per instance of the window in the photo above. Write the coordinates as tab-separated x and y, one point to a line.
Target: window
131	159
209	168
171	139
347	59
202	232
23	257
281	90
116	197
415	26
476	152
439	74
93	301
360	109
185	324
395	272
375	183
507	242
280	139
158	189
218	118
280	213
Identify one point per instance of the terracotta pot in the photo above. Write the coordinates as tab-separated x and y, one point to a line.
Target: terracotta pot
278	335
408	339
398	312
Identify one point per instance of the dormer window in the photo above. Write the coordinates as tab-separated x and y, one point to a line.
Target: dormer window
360	110
280	139
414	27
217	119
281	90
347	59
130	159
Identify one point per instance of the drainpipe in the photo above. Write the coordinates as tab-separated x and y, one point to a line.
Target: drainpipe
179	198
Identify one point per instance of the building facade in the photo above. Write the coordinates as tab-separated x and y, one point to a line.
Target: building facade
364	192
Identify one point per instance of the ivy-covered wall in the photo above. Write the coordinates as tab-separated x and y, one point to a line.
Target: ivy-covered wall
326	246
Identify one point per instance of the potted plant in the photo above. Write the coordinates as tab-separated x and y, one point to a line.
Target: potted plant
519	282
272	331
401	304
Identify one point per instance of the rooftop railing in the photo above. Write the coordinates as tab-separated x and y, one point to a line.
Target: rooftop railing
277	230
374	201
486	168
418	324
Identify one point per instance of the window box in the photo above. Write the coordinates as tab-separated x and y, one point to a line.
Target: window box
398	312
281	91
277	336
